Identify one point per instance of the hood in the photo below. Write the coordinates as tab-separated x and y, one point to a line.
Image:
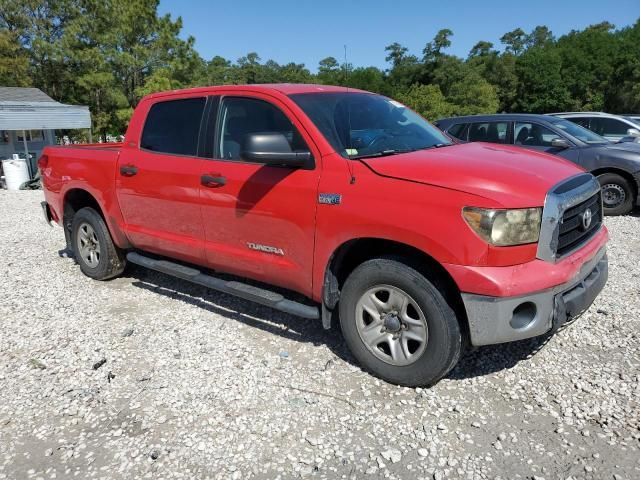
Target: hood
625	147
511	176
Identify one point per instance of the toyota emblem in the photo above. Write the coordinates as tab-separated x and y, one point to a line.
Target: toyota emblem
586	219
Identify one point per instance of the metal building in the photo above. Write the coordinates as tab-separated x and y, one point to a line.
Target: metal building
28	118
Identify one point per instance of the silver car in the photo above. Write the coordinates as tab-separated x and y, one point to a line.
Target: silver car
615	128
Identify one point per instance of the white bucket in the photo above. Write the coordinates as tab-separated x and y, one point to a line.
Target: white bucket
16	172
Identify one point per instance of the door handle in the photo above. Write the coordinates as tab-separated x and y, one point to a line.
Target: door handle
128	170
213	181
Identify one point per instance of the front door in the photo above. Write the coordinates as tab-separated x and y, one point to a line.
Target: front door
534	136
158	182
259	220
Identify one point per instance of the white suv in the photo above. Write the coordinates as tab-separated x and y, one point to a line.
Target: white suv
612	127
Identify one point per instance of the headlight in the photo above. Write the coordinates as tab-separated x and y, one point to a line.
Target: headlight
504	227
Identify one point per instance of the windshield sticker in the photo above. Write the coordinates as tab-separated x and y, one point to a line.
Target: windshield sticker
351	151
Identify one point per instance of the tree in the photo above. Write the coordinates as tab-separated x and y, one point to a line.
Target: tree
397	54
371	79
481	49
541	88
329	71
433	50
515	41
218	71
473	95
14	62
623	89
405	69
427	100
539	37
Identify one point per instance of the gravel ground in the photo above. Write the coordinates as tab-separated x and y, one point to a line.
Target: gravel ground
149	377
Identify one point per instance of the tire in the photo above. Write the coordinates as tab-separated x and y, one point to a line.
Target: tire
93	246
418	363
617	194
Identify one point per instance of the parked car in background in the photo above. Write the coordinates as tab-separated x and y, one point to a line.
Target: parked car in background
617	165
415	244
615	128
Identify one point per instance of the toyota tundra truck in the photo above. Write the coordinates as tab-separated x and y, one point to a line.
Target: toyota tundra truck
339	205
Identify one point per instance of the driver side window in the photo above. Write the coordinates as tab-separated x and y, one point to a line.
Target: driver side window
533	135
240	116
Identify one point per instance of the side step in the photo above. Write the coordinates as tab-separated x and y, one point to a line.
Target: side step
242	290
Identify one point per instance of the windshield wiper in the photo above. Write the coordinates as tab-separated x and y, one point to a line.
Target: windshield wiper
383	153
386	153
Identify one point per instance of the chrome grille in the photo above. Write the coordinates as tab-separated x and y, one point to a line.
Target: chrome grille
572	231
562	230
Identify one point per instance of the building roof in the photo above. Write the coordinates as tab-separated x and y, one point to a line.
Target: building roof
32	109
20	94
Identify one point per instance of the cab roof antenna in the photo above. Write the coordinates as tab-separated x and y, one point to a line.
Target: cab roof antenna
346	82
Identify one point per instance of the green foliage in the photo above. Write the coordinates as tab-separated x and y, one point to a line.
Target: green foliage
473	95
541	87
14	63
108	54
427	100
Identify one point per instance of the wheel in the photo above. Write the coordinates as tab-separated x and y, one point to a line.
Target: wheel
617	194
397	324
93	247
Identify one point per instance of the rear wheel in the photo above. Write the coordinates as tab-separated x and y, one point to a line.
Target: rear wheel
95	252
617	194
397	324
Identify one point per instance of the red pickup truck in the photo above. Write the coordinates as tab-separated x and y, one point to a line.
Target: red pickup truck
415	245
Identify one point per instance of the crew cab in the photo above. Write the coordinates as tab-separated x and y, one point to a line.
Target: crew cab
617	166
416	246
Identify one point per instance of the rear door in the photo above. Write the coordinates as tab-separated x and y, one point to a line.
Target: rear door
158	181
259	220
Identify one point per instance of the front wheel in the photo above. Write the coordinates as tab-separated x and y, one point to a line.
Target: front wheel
95	252
617	194
397	324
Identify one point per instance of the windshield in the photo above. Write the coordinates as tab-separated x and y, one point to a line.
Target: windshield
581	133
367	125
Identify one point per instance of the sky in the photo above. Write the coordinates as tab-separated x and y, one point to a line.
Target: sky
305	31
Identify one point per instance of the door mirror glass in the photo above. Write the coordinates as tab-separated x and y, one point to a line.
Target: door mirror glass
273	148
633	132
559	143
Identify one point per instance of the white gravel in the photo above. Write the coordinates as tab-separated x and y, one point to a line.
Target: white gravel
196	384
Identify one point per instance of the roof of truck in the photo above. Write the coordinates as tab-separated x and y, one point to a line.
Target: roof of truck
284	88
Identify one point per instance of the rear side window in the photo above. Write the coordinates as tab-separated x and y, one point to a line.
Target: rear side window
609	126
173	127
457	131
492	132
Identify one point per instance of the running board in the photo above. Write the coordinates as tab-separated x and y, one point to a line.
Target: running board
242	290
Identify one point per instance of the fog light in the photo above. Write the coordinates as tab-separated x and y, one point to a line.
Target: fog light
523	315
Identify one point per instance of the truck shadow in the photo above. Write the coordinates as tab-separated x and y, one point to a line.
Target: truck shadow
494	358
478	362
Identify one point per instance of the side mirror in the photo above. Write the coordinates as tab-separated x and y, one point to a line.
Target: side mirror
633	132
560	143
273	149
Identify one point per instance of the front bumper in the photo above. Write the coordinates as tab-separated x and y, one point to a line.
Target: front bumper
506	319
